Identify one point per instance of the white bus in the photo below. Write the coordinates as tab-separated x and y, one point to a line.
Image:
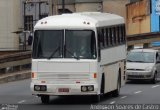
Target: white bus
78	54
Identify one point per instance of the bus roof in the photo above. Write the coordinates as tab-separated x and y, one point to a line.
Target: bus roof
84	20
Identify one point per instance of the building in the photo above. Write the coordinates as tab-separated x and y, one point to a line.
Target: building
32	11
78	5
9	23
143	23
115	6
20	16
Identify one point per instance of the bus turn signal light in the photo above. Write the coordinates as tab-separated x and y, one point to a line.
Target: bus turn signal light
94	75
33	75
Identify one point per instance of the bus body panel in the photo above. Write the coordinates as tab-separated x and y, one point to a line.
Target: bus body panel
112	59
70	73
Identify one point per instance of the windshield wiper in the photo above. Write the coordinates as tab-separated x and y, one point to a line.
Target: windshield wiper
76	57
53	53
135	61
130	61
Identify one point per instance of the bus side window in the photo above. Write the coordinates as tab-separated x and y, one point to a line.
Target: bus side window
106	37
101	38
110	36
99	44
114	35
124	34
118	35
121	34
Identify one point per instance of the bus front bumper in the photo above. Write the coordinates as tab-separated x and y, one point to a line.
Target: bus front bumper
64	89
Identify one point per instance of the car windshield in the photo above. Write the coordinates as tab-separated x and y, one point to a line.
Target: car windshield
144	57
78	44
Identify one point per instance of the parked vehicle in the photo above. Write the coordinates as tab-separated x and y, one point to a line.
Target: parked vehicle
143	64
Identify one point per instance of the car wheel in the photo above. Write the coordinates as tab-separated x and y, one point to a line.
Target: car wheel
154	80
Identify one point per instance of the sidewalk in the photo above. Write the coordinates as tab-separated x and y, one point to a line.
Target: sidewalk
20	75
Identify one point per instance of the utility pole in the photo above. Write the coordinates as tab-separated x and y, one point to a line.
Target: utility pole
50	7
63	6
55	7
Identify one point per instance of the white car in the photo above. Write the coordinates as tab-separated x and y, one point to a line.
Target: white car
143	64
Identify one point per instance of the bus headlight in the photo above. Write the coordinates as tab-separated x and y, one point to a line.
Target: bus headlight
90	88
83	88
40	87
37	88
43	88
87	88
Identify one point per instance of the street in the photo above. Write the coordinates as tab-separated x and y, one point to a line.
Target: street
18	93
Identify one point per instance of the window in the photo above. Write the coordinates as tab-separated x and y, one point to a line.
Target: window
120	34
43	15
101	38
48	44
80	44
106	36
124	33
114	35
111	36
28	23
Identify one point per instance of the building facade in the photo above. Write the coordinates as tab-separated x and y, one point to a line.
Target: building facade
116	6
138	17
9	23
143	23
22	15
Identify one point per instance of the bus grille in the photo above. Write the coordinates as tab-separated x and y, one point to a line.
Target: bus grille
63	76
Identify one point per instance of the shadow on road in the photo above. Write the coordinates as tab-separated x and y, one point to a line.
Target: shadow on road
78	100
141	82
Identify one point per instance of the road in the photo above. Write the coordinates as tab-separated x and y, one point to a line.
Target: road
18	93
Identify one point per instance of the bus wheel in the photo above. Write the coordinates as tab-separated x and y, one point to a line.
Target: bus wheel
45	99
117	91
102	85
97	98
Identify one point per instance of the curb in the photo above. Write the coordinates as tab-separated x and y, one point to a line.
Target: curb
15	76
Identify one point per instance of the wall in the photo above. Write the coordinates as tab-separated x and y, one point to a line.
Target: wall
33	10
69	4
155	21
115	6
10	17
80	7
138	17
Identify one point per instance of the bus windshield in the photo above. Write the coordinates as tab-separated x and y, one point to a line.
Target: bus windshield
79	44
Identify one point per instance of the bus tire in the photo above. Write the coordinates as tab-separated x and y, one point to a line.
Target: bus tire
45	99
117	91
97	98
103	84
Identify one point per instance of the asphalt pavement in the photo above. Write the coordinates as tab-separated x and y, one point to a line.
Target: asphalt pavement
18	94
